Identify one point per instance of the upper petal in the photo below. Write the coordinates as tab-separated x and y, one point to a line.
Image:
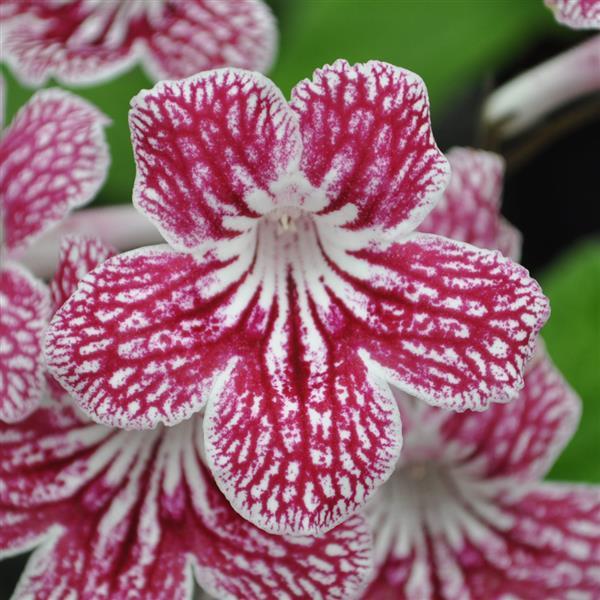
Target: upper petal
54	158
469	210
368	145
201	35
578	14
208	149
448	322
24	314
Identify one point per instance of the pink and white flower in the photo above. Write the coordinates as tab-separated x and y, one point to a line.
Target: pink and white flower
118	514
578	14
88	41
53	158
465	515
294	289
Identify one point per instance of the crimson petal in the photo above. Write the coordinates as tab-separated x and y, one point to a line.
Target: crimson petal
368	145
469	210
520	439
54	158
80	43
133	513
578	14
208	151
78	255
24	314
448	322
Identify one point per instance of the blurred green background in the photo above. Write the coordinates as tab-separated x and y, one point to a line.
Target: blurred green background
452	44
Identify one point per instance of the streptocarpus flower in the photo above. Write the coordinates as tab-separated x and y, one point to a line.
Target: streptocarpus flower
465	515
293	290
85	41
118	514
469	210
53	158
578	14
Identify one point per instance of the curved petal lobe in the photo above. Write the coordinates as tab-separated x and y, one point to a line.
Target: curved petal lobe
522	438
368	145
448	322
469	210
578	14
202	35
208	150
81	43
297	447
139	342
54	158
78	256
24	314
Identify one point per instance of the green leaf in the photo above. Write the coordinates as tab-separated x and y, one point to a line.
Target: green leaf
572	336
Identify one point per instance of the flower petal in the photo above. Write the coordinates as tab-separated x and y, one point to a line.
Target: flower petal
368	145
523	437
578	14
449	323
469	210
78	256
66	41
81	43
208	149
145	512
24	314
544	543
301	439
54	158
202	35
139	343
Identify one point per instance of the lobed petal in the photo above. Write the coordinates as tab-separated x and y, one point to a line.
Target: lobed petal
78	255
145	515
139	342
54	158
82	43
520	439
209	150
368	146
24	314
301	437
469	210
449	323
200	35
578	14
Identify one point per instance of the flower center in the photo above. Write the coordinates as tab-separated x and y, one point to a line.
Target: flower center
286	218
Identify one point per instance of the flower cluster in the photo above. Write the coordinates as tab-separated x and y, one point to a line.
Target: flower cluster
326	382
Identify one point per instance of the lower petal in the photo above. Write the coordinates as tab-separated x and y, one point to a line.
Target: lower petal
297	450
